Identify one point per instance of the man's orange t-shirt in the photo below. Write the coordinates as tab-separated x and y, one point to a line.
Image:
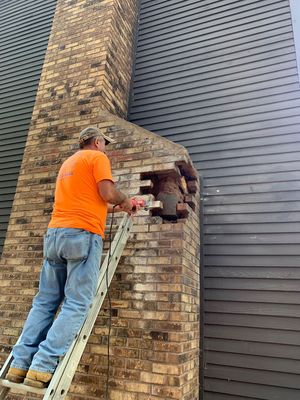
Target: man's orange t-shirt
78	203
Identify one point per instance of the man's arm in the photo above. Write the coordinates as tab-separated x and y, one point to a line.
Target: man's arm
110	194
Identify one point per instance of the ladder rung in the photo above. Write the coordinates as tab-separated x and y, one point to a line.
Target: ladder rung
21	388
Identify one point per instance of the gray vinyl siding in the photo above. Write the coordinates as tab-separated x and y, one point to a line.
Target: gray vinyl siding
24	32
220	77
295	12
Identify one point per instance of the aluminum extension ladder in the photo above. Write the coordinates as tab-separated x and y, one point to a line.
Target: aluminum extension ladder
65	371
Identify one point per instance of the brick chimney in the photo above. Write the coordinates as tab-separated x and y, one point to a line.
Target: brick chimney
155	292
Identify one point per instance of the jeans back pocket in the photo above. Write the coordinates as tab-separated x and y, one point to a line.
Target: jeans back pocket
49	250
74	245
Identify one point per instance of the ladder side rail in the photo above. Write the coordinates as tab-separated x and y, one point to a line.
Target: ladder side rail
126	221
62	379
5	366
117	250
3	389
7	363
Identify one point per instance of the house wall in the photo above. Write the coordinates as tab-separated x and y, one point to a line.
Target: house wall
220	77
24	33
154	352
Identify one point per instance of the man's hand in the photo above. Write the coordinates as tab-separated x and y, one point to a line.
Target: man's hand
136	206
126	206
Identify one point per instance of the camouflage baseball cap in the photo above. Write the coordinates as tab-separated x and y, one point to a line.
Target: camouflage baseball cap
92	131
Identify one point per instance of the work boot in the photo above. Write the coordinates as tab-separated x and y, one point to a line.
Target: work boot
38	379
16	375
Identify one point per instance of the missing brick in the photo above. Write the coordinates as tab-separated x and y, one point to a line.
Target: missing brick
174	188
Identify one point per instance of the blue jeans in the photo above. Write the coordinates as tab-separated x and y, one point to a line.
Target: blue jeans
69	276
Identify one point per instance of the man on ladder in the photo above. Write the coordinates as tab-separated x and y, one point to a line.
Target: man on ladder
72	250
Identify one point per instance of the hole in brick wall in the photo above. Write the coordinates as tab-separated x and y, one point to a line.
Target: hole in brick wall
175	189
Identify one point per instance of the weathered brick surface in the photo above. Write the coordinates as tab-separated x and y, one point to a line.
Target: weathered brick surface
155	292
89	61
